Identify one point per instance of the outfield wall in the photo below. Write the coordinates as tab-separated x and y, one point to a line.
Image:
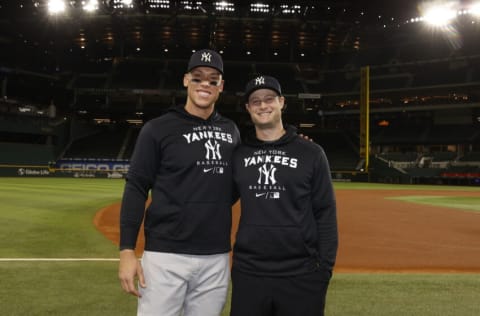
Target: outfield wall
71	168
117	169
45	171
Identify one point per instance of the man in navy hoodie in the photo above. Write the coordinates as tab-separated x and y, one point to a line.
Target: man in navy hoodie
287	238
183	159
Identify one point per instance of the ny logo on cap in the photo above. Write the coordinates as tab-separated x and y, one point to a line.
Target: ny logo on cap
206	57
259	81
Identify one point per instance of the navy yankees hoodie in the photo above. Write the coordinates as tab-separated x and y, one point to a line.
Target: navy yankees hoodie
288	223
185	163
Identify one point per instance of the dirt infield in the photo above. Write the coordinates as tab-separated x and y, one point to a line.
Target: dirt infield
378	234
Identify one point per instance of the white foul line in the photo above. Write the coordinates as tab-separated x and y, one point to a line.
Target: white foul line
56	259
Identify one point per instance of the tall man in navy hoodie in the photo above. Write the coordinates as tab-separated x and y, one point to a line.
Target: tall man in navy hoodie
184	159
287	239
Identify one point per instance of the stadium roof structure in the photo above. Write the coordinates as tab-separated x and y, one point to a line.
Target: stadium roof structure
54	52
286	29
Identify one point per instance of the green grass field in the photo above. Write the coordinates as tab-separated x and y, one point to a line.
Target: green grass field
52	218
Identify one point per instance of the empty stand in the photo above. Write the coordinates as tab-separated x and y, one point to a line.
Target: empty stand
130	146
443	156
341	151
399	156
450	134
394	81
136	75
471	156
106	144
91	81
438	73
236	76
173	74
400	135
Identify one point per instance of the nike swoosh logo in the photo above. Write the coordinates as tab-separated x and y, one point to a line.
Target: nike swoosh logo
259	194
207	170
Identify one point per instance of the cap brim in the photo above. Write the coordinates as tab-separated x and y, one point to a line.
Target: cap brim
209	66
258	88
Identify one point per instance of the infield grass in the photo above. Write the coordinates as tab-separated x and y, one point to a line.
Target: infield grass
404	294
470	203
52	218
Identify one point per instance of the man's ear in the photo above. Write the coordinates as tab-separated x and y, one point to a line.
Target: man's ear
220	89
185	80
284	106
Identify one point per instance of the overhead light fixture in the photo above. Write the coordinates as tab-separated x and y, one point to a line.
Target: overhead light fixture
191	5
159	4
224	6
259	7
90	6
56	6
307	125
475	9
290	8
439	15
383	123
135	121
102	120
122	4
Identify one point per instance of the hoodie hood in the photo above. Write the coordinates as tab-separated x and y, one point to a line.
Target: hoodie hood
252	140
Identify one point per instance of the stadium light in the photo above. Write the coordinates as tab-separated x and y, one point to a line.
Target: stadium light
56	6
191	5
475	9
439	15
122	4
90	6
159	4
259	7
224	6
290	8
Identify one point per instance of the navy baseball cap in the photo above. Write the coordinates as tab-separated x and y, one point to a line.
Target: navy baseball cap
262	82
206	58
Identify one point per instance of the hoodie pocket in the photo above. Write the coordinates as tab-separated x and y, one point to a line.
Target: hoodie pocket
270	243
